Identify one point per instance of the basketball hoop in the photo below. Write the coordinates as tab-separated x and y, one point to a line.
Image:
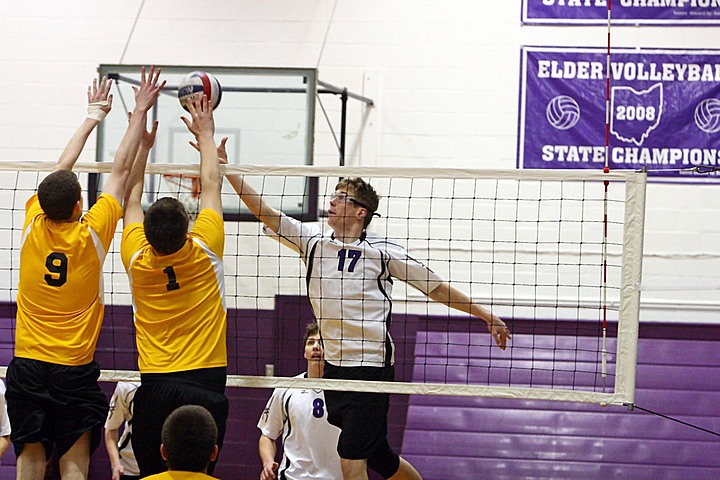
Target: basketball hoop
185	188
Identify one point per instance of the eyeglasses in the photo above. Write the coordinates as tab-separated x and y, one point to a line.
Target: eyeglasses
342	197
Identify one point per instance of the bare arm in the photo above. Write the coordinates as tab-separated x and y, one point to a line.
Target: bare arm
454	298
111	445
202	127
99	105
253	200
133	212
145	97
267	449
4	444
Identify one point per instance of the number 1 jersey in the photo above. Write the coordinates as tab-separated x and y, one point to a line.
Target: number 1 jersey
179	299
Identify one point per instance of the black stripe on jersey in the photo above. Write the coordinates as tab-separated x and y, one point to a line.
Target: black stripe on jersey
286	404
407	255
388	319
310	263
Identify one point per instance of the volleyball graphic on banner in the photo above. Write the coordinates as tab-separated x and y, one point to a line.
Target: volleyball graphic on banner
563	112
707	115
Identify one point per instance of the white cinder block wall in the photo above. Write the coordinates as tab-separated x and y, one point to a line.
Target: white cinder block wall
444	75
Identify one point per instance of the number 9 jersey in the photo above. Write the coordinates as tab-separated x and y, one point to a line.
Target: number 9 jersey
60	293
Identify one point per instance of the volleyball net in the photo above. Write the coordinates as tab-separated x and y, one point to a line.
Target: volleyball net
555	254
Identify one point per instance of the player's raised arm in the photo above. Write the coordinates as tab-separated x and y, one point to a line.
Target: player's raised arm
132	207
202	126
145	97
252	199
99	105
454	298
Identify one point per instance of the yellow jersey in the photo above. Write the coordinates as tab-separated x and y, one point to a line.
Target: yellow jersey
179	475
60	293
179	299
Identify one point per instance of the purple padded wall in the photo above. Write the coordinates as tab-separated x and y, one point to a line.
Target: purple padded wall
462	437
678	374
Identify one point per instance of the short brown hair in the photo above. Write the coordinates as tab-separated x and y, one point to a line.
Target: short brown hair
58	193
363	194
166	225
310	330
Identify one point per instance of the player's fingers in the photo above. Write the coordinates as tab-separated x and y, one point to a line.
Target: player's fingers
191	105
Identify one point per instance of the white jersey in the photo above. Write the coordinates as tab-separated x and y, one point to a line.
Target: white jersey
121	411
309	441
4	419
350	289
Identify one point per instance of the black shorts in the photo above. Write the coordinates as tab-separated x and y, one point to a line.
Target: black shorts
361	416
54	404
159	395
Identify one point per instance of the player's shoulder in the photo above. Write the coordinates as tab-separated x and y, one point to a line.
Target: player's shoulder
380	242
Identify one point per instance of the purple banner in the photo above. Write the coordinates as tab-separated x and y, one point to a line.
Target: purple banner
664	110
624	12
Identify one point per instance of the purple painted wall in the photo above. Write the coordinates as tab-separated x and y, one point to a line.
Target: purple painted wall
452	438
678	374
255	338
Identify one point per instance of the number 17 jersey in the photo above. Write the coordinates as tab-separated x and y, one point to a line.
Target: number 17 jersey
350	289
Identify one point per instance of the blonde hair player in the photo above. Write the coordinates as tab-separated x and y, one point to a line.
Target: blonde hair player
350	278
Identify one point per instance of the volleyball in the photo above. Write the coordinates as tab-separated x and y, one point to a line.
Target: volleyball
200	82
562	112
707	115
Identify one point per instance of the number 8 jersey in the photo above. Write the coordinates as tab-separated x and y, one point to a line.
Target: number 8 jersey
350	289
179	299
60	293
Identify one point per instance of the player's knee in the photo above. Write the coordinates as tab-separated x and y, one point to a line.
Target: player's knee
384	461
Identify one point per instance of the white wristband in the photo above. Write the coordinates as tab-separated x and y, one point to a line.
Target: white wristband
95	110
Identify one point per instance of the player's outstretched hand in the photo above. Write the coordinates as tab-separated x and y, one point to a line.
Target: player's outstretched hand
221	150
99	98
499	332
201	111
147	93
148	138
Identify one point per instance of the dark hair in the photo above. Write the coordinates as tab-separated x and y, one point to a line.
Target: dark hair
310	330
58	193
189	435
166	225
363	195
